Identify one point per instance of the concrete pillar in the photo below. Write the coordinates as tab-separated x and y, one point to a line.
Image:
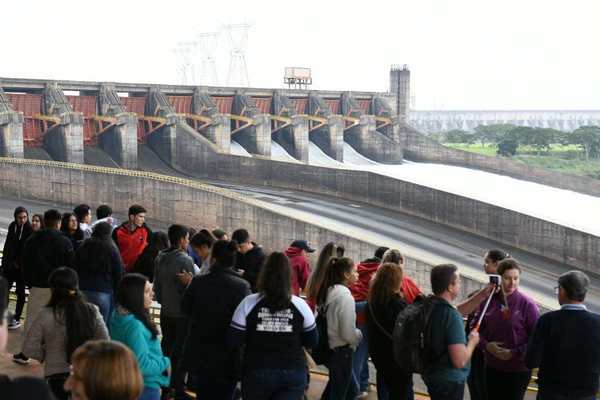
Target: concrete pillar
219	132
330	138
11	134
372	144
119	141
164	140
64	142
256	138
400	88
294	138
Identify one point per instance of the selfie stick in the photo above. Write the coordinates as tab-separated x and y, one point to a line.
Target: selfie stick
487	303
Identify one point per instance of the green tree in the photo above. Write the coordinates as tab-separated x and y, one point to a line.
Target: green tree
507	147
588	138
459	136
539	138
492	133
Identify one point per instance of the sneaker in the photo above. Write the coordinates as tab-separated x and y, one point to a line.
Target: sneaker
20	359
14	324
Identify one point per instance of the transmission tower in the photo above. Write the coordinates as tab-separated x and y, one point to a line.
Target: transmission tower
238	40
186	68
207	44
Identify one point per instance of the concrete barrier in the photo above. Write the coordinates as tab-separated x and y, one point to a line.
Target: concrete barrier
175	200
553	241
418	147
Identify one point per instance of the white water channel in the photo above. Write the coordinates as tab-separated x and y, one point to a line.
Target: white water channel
563	207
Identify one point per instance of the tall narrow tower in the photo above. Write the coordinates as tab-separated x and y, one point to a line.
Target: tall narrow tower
400	89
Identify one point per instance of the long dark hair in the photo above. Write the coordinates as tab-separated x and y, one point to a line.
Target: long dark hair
68	306
320	271
95	253
336	269
144	265
64	227
130	296
275	281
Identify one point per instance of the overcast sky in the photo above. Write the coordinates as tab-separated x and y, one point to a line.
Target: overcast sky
463	54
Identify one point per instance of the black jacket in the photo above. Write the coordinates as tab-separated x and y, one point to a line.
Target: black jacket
13	245
45	251
210	301
251	263
380	343
99	266
25	387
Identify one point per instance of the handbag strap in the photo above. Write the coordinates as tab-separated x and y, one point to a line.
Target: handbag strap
386	333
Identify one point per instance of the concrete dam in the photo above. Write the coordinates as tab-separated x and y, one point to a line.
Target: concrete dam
290	149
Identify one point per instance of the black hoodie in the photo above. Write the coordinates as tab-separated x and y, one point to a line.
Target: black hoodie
45	251
13	246
251	263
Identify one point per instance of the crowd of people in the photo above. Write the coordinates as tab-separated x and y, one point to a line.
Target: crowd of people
238	322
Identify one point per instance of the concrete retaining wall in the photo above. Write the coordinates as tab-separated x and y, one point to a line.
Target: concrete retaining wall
174	200
418	147
556	242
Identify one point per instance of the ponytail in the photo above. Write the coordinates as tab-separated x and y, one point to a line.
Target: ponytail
334	275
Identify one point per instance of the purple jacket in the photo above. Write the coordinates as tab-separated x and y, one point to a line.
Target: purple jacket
512	328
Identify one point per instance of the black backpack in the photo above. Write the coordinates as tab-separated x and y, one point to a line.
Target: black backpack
412	335
322	353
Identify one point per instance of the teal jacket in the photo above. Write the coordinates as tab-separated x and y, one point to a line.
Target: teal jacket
130	331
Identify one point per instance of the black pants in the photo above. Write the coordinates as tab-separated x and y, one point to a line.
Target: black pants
549	395
446	390
56	383
15	275
506	385
477	379
174	331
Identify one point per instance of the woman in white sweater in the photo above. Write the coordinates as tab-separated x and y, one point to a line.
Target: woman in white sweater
334	298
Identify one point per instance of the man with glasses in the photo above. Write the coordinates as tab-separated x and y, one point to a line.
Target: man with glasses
565	344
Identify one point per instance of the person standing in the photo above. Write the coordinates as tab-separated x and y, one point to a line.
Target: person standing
168	292
385	303
565	344
65	323
505	331
335	300
83	213
24	387
45	251
99	266
299	263
131	325
69	226
477	381
132	236
37	222
274	326
250	257
451	351
12	260
210	301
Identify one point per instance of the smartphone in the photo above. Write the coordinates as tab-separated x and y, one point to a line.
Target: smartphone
495	279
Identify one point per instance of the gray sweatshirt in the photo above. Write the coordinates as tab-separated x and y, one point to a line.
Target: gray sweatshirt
341	318
168	290
46	340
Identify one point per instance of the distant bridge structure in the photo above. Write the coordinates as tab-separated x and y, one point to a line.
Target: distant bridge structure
430	121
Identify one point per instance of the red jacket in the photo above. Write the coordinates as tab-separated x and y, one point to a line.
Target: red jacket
360	290
410	290
300	269
131	244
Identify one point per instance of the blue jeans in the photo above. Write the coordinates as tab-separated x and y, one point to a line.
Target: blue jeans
150	394
103	300
360	363
274	384
211	387
340	386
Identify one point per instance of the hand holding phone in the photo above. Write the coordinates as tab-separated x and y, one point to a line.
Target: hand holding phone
495	279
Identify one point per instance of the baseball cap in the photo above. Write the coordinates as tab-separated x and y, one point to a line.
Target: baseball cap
302	244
